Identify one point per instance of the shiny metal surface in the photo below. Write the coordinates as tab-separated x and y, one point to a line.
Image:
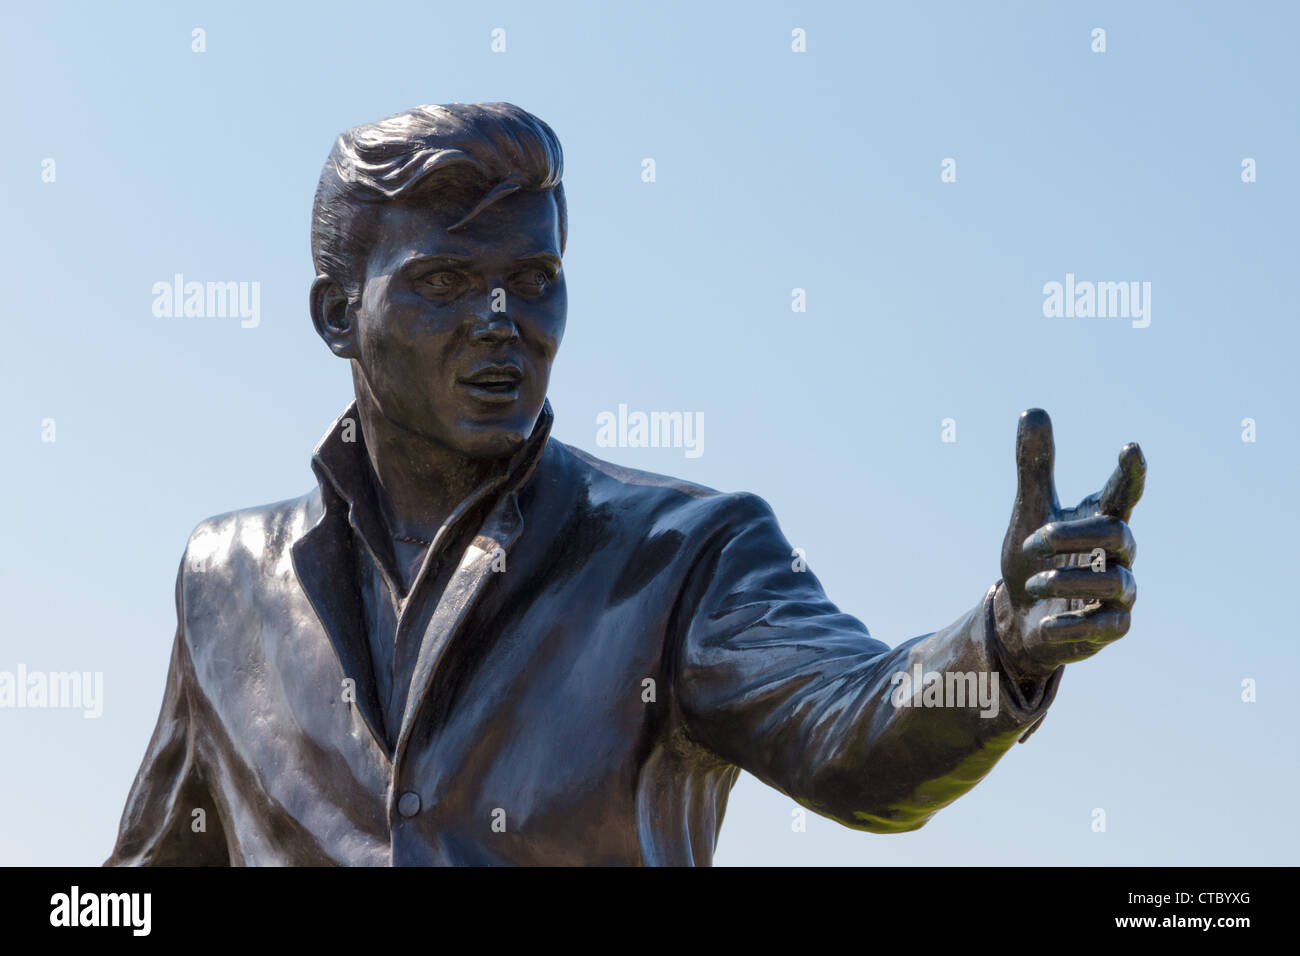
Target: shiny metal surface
584	658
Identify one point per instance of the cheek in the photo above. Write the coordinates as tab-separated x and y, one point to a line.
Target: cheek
376	348
374	327
549	322
398	332
561	311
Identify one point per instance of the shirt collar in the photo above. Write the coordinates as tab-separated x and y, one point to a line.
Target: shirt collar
342	466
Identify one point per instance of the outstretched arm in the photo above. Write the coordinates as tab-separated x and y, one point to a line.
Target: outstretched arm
775	679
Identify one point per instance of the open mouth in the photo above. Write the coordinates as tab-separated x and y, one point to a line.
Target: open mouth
495	382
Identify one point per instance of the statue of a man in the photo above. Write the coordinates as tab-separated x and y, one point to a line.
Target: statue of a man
473	644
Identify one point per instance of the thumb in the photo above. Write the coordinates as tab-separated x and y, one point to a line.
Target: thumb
1035	467
1035	502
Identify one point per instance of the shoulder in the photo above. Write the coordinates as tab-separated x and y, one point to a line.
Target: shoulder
257	536
635	492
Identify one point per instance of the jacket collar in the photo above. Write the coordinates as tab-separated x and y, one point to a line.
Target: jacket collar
342	466
324	562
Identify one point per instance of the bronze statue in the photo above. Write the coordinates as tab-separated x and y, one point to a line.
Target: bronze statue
472	644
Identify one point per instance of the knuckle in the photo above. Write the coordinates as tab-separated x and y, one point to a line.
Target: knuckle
1129	584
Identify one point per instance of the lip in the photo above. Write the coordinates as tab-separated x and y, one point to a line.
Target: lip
496	384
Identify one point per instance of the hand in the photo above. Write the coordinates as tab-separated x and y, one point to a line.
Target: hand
1066	586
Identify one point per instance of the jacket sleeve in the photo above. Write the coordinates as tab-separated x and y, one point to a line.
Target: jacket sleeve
772	677
159	824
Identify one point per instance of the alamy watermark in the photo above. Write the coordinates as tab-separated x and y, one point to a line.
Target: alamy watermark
208	300
53	690
132	911
1099	300
651	430
947	689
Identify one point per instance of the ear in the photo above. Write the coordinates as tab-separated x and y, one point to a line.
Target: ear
332	317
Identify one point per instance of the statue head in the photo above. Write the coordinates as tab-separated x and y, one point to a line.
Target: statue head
437	236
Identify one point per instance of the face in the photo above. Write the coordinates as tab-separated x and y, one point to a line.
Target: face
453	334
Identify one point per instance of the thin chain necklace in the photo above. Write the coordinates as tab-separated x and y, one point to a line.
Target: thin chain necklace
412	539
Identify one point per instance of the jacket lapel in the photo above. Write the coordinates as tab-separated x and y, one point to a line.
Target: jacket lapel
325	563
500	530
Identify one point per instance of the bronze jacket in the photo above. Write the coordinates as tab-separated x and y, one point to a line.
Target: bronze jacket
610	650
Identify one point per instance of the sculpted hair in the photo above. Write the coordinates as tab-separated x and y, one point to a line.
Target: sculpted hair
498	147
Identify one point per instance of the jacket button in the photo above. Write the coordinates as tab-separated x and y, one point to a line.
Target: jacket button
408	804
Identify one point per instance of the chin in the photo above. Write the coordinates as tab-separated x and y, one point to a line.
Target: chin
497	440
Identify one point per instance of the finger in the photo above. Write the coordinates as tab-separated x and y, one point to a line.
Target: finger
1115	584
1035	462
1056	653
1084	536
1097	627
1124	487
1035	502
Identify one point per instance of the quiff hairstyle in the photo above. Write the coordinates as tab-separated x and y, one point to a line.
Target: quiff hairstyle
496	148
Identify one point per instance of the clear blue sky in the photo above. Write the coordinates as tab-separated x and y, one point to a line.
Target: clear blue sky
775	170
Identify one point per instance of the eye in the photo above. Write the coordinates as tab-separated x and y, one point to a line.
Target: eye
441	282
533	281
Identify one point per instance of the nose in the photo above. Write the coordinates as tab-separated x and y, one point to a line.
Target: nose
494	328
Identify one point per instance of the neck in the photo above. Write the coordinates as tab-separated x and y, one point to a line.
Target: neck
420	481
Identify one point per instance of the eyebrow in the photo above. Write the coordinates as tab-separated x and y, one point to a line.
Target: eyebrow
549	258
420	258
417	258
